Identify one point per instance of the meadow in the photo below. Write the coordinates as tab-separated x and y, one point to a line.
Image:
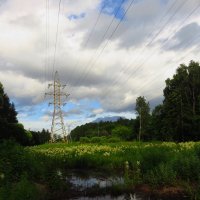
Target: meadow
40	169
156	164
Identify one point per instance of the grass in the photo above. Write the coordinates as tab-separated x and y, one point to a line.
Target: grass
155	164
163	161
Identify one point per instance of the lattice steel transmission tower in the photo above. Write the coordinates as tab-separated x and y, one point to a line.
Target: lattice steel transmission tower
57	126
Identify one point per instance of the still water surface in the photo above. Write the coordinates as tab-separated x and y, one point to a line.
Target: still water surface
97	186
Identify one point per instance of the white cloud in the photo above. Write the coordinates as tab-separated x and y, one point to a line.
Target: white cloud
125	69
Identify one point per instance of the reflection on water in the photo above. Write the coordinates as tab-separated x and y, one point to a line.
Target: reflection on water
87	185
82	182
109	197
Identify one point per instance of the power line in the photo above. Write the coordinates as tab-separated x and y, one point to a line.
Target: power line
46	45
46	58
182	57
128	66
48	42
88	39
146	82
177	29
102	50
54	57
148	44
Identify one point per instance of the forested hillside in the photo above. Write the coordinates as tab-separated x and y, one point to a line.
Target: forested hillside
176	119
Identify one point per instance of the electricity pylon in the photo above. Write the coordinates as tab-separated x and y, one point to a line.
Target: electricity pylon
57	126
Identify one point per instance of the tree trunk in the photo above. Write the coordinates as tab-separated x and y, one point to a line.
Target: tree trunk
140	131
193	102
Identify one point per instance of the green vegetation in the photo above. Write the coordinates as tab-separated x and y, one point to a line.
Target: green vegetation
143	110
11	129
176	119
155	164
112	147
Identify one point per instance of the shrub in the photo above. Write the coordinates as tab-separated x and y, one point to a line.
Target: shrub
161	175
84	139
187	166
153	156
122	132
22	190
114	140
95	139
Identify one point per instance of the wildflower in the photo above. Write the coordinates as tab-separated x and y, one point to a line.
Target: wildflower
59	173
126	165
106	154
2	176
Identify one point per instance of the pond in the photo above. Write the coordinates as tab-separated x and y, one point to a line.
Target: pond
87	185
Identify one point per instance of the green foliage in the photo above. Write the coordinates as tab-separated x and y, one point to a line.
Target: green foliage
95	140
122	132
7	111
161	175
100	140
22	190
157	164
84	139
17	168
9	126
40	137
113	140
181	105
101	129
187	166
143	111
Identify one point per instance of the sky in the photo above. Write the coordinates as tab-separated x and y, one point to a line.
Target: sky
107	52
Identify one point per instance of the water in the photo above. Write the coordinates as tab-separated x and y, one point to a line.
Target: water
82	180
87	185
109	197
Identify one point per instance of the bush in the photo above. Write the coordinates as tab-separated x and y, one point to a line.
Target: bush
187	166
161	175
22	190
84	139
113	140
122	132
95	140
153	157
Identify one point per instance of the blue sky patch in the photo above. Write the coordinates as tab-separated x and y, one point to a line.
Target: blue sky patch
113	7
76	17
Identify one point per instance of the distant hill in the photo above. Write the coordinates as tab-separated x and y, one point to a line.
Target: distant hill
108	119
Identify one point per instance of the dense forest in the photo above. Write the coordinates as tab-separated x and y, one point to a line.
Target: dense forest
176	119
11	129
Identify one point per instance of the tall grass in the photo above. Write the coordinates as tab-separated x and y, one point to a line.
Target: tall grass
160	163
156	164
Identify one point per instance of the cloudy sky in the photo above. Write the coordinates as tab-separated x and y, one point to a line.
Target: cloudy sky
108	52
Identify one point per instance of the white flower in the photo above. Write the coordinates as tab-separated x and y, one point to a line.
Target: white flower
59	173
2	176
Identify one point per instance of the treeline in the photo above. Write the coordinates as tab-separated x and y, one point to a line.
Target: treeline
123	129
176	119
11	129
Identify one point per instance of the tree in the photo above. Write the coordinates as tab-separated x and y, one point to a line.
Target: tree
9	126
40	137
7	109
143	111
157	128
181	105
122	132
